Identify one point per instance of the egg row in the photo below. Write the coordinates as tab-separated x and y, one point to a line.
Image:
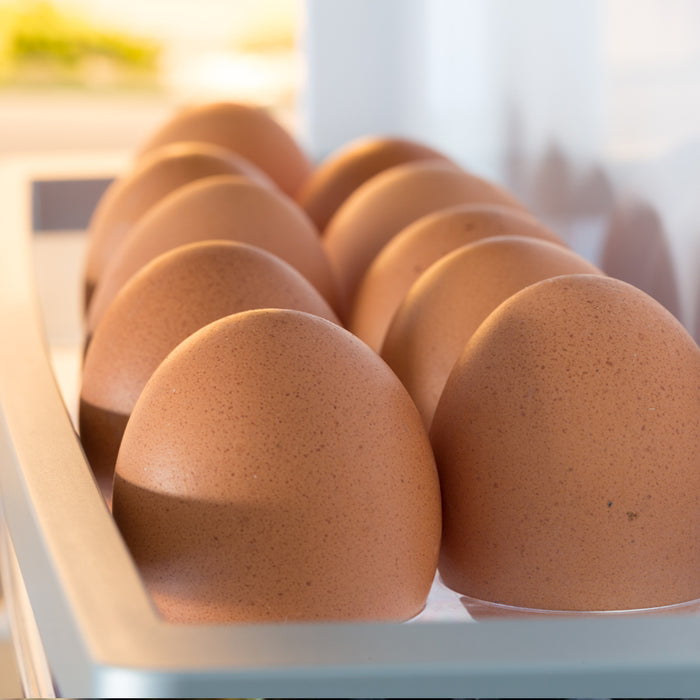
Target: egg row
306	389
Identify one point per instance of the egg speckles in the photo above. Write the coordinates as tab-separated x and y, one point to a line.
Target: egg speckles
402	260
274	468
224	207
166	301
567	443
345	169
386	203
497	411
159	173
453	296
248	130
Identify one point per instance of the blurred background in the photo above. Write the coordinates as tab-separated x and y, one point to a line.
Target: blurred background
611	78
99	74
589	110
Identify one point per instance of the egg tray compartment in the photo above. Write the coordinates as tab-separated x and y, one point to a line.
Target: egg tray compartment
83	624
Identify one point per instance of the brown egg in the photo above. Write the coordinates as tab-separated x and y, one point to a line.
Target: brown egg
219	207
567	441
163	303
275	469
344	170
452	298
385	204
408	254
244	129
129	197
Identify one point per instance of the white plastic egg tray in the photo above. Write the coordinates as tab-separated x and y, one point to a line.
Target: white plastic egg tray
82	622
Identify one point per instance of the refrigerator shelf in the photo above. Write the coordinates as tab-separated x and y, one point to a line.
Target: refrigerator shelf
83	624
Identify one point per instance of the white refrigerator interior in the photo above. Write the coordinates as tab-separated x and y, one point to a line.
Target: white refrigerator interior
589	111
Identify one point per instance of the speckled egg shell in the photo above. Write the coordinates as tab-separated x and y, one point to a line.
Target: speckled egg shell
166	301
567	440
130	196
386	203
249	130
275	469
451	299
402	260
219	207
345	169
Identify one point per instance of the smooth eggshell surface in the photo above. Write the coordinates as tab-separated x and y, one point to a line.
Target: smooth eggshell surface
275	469
344	170
408	254
386	203
567	441
452	298
129	197
219	207
166	301
251	131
